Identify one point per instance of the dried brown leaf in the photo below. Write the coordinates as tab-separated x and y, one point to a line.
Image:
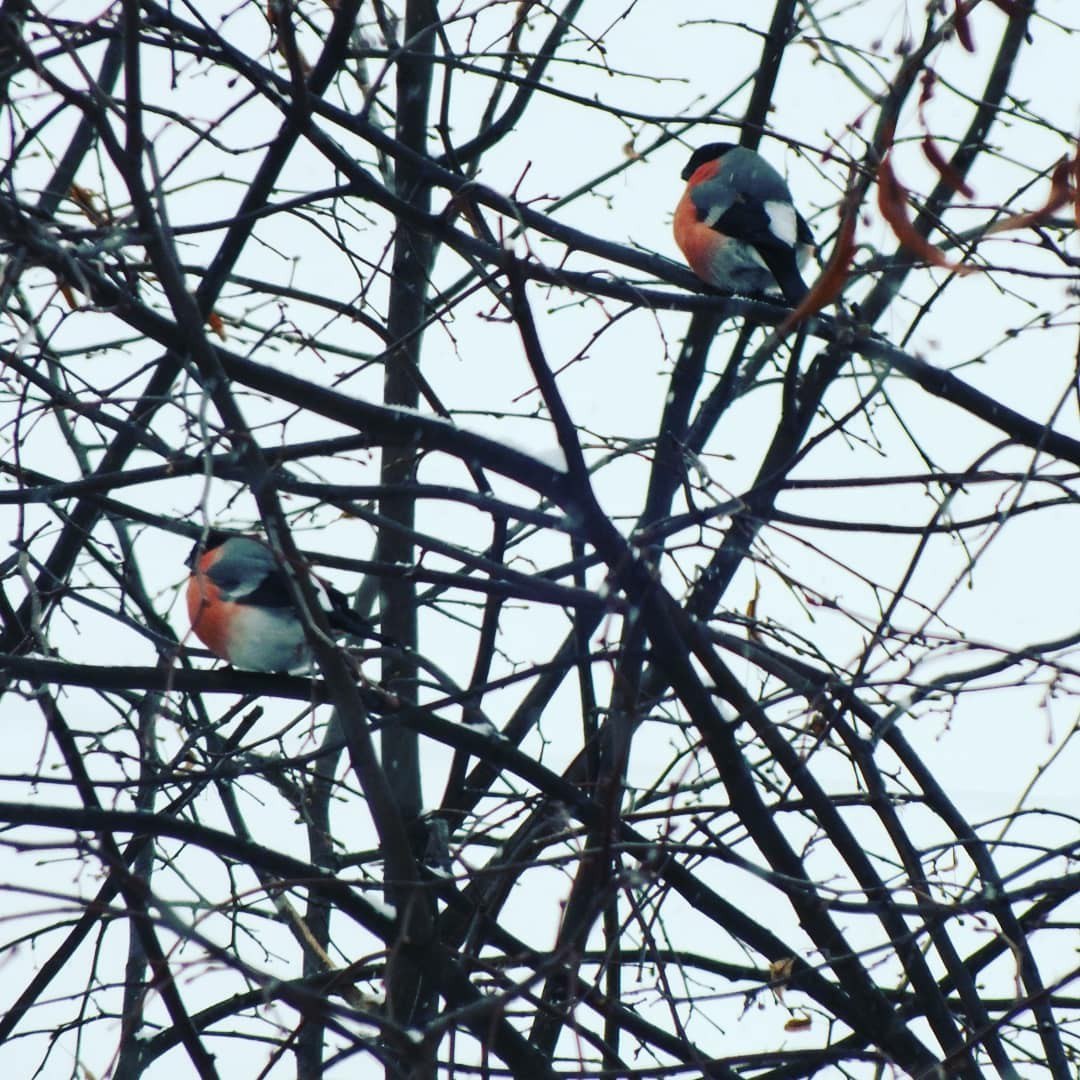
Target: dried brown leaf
963	26
945	168
1061	192
892	202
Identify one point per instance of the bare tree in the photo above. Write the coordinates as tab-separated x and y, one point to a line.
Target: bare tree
697	614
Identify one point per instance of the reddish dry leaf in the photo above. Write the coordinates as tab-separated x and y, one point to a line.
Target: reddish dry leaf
67	293
1061	192
214	322
819	724
301	59
945	169
892	202
780	971
84	199
1076	187
831	282
963	27
752	631
929	81
275	12
798	1023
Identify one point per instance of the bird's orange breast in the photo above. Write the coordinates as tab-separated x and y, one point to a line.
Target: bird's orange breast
209	614
696	240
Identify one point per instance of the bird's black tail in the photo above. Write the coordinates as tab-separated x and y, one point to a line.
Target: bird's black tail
342	617
784	267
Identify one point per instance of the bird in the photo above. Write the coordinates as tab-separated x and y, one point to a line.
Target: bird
737	225
242	610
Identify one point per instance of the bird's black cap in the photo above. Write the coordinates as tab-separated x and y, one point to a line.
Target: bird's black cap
708	152
213	539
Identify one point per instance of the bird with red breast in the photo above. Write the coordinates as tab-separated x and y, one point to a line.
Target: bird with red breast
241	607
737	225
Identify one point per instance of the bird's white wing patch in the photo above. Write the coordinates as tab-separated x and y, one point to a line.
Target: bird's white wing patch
322	594
782	222
714	215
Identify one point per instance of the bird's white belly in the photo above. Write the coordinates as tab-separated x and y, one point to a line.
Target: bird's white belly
268	640
738	267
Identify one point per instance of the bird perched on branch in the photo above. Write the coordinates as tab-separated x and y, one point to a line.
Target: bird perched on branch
737	226
241	608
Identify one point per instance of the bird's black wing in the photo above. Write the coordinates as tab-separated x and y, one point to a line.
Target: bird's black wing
249	572
342	617
750	223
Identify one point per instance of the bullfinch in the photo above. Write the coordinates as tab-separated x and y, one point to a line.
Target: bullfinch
241	609
737	226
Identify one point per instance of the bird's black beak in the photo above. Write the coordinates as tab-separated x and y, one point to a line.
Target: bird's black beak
193	555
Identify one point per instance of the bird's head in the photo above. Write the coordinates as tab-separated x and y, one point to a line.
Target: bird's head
703	154
213	539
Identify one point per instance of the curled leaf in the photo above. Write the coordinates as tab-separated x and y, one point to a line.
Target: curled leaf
831	281
963	27
85	200
1061	192
1076	187
67	293
752	630
892	202
929	81
945	168
780	971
